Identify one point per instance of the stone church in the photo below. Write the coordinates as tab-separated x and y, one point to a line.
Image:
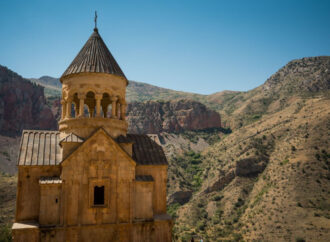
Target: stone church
91	181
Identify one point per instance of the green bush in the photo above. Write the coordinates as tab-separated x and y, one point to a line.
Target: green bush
5	233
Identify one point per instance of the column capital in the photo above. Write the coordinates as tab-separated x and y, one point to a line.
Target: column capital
63	101
113	98
81	96
98	96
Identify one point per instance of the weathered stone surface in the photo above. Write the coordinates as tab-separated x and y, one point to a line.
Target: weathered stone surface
172	116
22	105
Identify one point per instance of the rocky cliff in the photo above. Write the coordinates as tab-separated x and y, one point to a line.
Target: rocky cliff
269	179
22	105
171	116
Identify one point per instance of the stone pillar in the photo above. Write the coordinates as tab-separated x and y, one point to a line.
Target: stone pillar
91	112
113	108
68	108
81	105
63	109
118	110
123	110
98	98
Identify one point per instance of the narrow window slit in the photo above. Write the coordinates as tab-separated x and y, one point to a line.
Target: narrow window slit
99	195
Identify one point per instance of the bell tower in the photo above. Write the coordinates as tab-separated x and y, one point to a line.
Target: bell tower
93	92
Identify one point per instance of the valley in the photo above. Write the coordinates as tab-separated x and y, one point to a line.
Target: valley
244	166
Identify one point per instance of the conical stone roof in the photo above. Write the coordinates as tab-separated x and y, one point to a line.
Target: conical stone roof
94	57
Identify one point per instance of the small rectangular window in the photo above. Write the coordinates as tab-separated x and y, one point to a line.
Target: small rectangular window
99	195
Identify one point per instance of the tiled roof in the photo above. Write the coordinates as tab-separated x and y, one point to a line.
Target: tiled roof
94	57
144	178
50	180
39	147
145	150
72	138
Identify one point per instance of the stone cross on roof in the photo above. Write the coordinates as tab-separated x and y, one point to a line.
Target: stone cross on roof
95	20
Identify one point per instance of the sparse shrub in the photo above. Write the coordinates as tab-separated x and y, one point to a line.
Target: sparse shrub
293	148
200	205
317	156
299	204
217	198
5	233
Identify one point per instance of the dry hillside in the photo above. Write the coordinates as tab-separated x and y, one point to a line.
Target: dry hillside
269	179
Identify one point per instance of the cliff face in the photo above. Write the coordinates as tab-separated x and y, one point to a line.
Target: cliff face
172	116
22	105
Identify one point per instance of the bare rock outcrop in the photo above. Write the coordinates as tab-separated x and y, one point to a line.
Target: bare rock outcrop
251	166
180	197
172	116
22	105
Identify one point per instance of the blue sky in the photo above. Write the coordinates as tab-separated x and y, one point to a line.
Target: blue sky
200	46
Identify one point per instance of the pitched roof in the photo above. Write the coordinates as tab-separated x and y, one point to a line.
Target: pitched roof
94	57
71	138
41	147
145	150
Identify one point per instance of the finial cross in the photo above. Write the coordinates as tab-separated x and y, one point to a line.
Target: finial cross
95	19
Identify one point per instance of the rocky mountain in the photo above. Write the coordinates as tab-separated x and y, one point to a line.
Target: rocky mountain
22	105
171	116
269	179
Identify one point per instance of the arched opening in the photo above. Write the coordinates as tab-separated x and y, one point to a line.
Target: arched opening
75	106
85	111
73	110
105	105
91	103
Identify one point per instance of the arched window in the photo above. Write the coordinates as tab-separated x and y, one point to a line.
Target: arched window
75	108
105	105
91	103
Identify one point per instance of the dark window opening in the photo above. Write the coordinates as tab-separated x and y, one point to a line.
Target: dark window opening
99	195
56	200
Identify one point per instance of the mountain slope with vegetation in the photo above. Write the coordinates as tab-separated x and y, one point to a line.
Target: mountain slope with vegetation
269	179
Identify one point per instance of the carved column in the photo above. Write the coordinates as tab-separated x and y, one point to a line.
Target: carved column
68	108
123	110
81	104
113	108
63	109
98	98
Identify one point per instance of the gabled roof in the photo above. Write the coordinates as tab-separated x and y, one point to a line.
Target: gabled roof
42	147
39	148
94	57
145	150
71	138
